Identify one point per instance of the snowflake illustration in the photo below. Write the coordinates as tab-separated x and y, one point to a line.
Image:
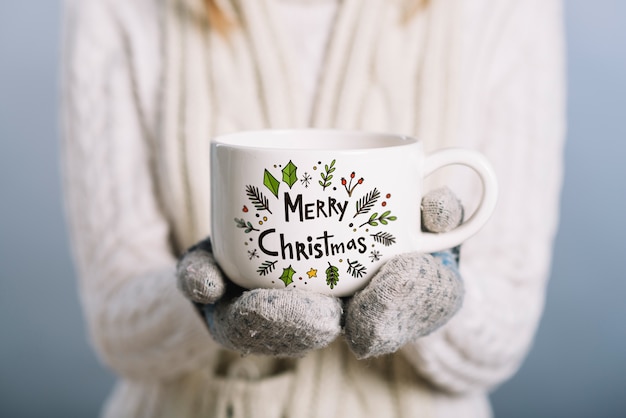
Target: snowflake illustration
306	179
252	254
375	255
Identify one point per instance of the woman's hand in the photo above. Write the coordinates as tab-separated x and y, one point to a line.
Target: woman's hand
275	322
412	294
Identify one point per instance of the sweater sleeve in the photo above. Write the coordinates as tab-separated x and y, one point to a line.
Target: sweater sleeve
139	323
519	122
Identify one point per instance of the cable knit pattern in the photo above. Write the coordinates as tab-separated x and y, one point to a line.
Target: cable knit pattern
519	125
140	323
146	84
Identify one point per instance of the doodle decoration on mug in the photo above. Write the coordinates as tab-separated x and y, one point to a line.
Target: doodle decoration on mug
343	205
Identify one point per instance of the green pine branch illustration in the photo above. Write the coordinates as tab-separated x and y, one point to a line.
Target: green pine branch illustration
383	219
366	203
384	238
242	223
327	175
259	201
266	267
332	276
356	269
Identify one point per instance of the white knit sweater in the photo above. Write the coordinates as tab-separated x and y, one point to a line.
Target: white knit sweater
146	84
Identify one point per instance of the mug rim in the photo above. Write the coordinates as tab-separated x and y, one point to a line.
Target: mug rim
249	140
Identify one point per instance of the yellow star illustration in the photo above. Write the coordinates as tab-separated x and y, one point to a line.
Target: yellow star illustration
312	273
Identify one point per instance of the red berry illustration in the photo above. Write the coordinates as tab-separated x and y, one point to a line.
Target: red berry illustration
388	195
245	208
348	185
384	204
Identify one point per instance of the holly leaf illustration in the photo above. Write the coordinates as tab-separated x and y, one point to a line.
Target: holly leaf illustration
270	182
332	276
287	276
289	174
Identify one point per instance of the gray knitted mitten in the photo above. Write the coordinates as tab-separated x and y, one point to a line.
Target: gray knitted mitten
412	294
198	276
276	322
441	210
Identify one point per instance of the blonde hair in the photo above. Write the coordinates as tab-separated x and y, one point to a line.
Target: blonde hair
223	24
218	20
412	9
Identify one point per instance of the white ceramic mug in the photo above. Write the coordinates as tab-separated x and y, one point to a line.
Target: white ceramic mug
323	209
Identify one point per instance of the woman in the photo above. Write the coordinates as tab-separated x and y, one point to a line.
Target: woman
148	82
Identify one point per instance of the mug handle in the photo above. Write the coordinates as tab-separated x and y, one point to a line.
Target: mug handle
431	242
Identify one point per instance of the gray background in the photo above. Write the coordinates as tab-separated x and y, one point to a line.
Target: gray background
577	367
